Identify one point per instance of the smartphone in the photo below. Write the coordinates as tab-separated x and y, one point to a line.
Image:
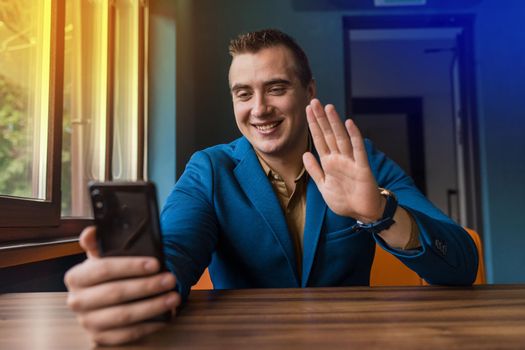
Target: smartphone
127	219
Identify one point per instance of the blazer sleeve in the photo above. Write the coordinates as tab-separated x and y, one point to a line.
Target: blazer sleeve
448	256
189	224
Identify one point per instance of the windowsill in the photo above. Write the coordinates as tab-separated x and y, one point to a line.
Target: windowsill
24	253
24	245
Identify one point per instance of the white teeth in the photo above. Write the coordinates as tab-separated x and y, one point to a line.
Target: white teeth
266	126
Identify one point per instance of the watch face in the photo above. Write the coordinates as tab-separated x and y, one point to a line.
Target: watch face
386	193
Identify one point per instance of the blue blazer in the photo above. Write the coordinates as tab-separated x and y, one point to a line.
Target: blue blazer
223	213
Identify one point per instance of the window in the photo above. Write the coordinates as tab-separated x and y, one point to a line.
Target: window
30	102
72	77
24	80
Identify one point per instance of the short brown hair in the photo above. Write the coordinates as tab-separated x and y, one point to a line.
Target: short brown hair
253	42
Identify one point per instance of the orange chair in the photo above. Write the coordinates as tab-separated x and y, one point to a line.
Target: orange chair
204	282
387	270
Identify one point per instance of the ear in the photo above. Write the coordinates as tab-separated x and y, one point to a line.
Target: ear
311	90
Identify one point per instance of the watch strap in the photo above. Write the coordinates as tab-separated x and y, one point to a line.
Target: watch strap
387	219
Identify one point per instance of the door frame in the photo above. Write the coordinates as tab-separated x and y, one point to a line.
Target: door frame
469	134
412	107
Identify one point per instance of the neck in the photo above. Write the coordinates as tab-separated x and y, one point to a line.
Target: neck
289	165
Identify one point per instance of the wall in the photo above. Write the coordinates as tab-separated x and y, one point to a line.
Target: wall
42	276
501	76
162	131
204	113
395	70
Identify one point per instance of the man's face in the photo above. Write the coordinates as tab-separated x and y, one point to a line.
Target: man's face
269	101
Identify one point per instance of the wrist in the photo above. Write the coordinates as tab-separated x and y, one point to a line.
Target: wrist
386	219
378	212
398	236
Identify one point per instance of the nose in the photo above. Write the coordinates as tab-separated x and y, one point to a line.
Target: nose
260	107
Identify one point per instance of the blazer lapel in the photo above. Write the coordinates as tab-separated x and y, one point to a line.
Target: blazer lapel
258	189
315	213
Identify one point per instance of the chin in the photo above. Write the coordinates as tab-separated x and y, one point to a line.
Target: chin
268	150
263	147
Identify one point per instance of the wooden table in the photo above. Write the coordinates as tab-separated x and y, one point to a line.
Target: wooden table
482	317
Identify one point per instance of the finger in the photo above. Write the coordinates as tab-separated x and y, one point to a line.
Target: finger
126	334
313	168
95	271
88	241
315	131
127	314
341	135
119	292
358	144
324	125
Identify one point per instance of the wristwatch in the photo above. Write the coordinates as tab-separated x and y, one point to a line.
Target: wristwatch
387	219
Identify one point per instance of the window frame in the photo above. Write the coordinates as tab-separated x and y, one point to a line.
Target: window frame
25	212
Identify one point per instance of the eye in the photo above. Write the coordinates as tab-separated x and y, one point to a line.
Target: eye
243	95
277	90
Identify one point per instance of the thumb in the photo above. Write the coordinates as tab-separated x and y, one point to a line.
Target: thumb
313	168
88	241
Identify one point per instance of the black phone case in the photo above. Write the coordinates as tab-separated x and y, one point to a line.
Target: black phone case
127	219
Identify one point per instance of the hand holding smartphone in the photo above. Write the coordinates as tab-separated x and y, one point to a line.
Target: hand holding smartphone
127	220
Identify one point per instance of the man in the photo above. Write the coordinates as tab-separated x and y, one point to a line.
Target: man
300	200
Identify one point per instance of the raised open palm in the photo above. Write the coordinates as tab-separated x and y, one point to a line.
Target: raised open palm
344	177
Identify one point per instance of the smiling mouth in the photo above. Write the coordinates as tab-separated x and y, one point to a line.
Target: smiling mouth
267	127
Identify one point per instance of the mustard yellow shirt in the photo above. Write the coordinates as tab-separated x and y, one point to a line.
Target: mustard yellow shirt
293	204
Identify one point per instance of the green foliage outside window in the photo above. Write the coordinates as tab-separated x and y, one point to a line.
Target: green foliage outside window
15	155
15	145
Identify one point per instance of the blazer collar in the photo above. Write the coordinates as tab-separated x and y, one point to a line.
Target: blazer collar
242	148
258	189
315	213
